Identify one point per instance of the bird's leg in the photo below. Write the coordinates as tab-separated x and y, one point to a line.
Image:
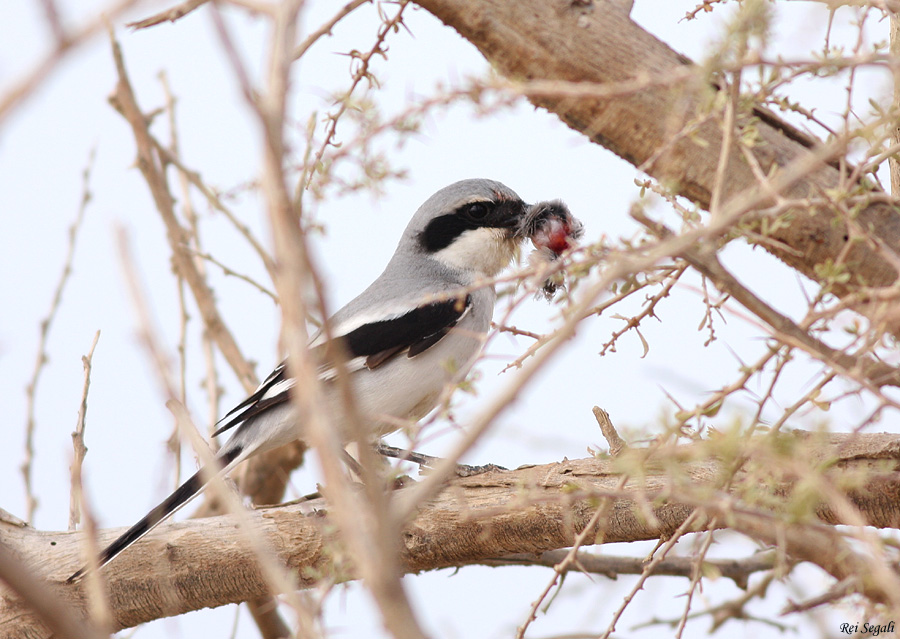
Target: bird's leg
393	452
427	462
353	466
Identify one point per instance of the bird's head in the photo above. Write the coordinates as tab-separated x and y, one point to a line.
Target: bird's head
471	225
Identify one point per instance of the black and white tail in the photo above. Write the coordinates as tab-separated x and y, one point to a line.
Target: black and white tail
182	495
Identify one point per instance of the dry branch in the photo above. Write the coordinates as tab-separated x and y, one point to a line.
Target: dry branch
169	15
79	449
151	167
703	257
611	566
258	478
265	477
595	43
206	563
38	604
66	42
31	501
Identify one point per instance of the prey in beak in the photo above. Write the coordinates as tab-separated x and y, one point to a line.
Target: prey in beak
553	230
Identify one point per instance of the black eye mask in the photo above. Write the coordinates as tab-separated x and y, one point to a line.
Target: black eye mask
442	231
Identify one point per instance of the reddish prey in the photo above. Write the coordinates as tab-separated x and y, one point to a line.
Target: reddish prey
553	230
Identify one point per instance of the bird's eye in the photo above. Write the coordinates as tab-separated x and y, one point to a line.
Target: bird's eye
478	210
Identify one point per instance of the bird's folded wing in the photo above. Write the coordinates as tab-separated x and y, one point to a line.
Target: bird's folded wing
368	345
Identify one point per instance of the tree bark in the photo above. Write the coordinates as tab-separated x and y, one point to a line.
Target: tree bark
596	43
207	563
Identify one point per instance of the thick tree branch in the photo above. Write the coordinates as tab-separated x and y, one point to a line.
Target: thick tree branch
205	563
599	46
38	603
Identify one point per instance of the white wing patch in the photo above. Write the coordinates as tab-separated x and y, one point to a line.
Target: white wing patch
281	387
275	373
328	373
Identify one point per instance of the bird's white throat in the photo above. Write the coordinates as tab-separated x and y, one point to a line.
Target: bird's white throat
484	251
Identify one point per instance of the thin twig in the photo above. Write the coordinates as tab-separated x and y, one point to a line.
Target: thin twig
836	592
31	501
51	12
656	558
79	509
611	566
78	436
98	601
212	197
649	310
731	609
174	441
213	390
728	130
361	73
70	41
580	539
703	258
616	443
149	163
326	28
169	15
502	328
696	574
228	271
269	107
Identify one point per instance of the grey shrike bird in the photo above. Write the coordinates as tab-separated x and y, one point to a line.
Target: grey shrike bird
404	336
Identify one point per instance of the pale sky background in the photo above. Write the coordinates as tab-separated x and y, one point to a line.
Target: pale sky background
44	148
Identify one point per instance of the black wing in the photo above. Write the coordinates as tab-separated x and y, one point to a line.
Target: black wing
369	345
413	332
274	390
